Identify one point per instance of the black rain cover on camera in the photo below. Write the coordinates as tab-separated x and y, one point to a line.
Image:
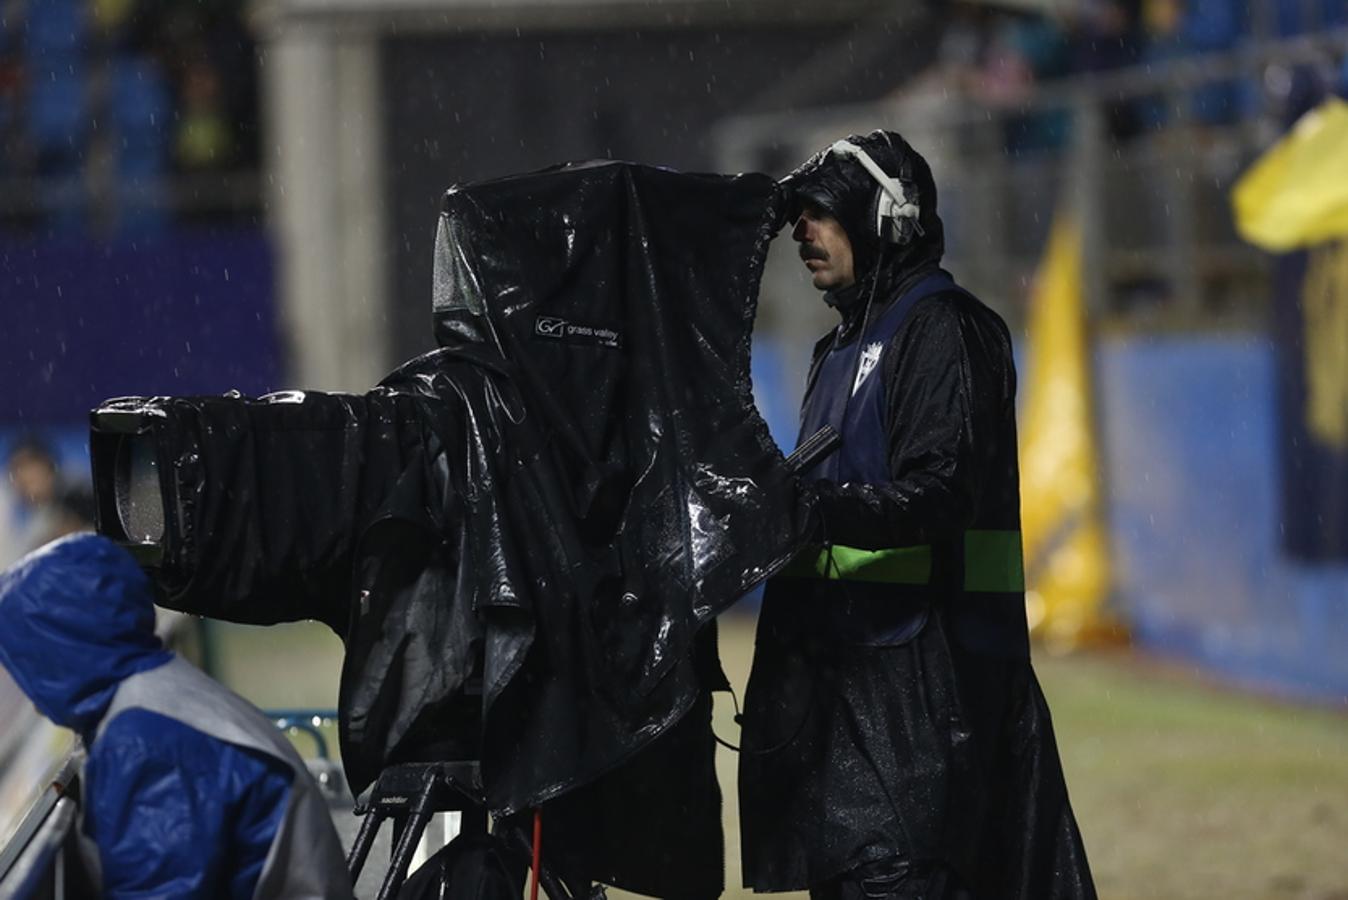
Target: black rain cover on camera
618	303
619	490
557	501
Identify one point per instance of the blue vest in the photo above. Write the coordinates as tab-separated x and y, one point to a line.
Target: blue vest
883	597
847	391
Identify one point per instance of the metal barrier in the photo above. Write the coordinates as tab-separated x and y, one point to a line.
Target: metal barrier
41	861
1159	245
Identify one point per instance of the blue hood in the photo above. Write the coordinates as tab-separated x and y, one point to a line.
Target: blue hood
76	618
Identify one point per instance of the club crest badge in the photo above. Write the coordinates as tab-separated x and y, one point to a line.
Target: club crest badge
870	355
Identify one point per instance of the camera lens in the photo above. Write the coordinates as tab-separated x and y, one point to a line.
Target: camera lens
140	502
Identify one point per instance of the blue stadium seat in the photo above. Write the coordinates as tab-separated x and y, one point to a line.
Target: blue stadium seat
1208	26
140	111
1292	17
1214	24
57	122
54	26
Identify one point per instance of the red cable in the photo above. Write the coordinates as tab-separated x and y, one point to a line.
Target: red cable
538	846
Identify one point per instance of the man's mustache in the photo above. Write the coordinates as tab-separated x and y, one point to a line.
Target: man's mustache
810	251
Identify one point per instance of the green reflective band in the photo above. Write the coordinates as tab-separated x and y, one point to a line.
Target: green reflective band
901	565
993	562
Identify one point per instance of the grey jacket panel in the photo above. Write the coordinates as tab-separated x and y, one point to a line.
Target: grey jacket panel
305	861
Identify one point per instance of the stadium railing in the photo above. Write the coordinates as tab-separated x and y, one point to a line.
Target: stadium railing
1160	249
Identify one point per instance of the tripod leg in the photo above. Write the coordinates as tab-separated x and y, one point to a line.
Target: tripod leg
407	841
360	849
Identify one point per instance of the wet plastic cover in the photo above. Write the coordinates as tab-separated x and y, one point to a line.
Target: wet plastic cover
555	502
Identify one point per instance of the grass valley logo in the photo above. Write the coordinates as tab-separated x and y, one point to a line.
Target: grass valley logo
558	329
545	326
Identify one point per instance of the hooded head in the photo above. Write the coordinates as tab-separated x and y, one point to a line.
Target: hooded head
76	618
837	182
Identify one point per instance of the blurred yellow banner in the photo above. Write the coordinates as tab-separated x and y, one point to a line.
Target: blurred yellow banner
1296	194
1062	510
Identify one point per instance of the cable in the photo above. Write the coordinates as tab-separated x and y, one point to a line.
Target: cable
738	719
780	745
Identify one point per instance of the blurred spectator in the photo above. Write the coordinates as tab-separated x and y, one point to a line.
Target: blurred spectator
1108	35
210	58
111	15
172	86
1161	18
47	506
961	47
11	88
204	140
1025	51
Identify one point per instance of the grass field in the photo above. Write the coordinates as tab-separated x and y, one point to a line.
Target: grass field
1184	790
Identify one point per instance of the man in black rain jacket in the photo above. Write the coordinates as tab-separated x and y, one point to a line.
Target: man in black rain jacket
896	741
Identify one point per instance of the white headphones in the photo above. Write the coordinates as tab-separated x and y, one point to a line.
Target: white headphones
896	217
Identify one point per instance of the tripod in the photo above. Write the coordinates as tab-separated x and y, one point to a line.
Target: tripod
409	794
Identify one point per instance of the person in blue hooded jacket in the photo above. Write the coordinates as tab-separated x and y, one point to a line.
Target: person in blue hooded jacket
189	790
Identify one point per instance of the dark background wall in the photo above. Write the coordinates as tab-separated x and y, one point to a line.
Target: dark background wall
469	107
82	321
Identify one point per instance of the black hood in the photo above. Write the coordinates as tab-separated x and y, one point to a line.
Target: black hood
843	188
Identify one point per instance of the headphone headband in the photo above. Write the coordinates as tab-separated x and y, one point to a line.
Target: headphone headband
888	184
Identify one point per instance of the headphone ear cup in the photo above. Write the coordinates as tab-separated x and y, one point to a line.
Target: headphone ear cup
888	227
901	227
